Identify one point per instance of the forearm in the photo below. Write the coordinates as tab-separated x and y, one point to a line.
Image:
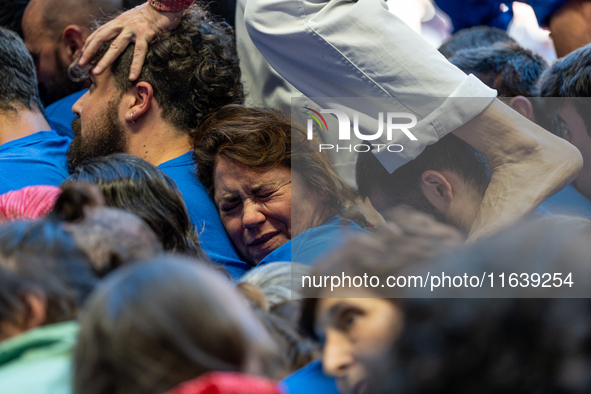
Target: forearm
528	165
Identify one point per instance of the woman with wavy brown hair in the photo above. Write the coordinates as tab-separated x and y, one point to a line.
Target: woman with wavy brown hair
278	196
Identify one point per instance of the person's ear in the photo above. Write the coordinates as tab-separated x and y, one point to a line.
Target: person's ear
437	190
523	106
37	309
568	135
73	38
140	101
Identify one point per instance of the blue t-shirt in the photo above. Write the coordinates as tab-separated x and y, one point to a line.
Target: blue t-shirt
60	116
204	215
309	380
37	159
568	201
481	12
314	244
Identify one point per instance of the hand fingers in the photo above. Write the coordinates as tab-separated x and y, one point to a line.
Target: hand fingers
109	31
139	55
96	40
115	49
88	40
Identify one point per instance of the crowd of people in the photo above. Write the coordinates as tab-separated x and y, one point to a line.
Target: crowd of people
167	191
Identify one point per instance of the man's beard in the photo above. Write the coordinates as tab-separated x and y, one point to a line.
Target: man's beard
102	139
60	86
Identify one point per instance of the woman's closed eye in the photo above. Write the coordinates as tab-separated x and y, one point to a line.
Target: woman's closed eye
229	206
265	194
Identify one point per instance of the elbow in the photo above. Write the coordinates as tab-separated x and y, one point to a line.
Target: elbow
576	161
573	160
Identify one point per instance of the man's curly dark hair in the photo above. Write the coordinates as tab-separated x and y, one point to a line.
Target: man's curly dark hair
193	69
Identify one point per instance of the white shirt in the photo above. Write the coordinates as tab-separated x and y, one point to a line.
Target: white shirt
340	48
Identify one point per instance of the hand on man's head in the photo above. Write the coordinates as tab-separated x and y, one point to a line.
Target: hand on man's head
139	25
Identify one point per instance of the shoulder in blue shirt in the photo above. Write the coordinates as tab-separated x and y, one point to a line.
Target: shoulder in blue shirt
315	243
60	116
37	159
204	215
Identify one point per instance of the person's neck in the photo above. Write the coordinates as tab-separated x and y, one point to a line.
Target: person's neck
316	219
24	122
159	143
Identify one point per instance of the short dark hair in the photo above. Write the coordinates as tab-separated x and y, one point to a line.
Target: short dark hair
133	184
259	137
18	80
507	67
403	186
474	37
568	77
193	69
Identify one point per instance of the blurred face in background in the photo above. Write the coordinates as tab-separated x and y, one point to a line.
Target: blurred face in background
52	52
357	336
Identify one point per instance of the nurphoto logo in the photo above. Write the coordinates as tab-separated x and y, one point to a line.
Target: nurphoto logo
345	129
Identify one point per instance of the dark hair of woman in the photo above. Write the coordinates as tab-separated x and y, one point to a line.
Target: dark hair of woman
151	326
137	186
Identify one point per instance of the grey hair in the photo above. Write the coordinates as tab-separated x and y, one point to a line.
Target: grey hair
275	280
